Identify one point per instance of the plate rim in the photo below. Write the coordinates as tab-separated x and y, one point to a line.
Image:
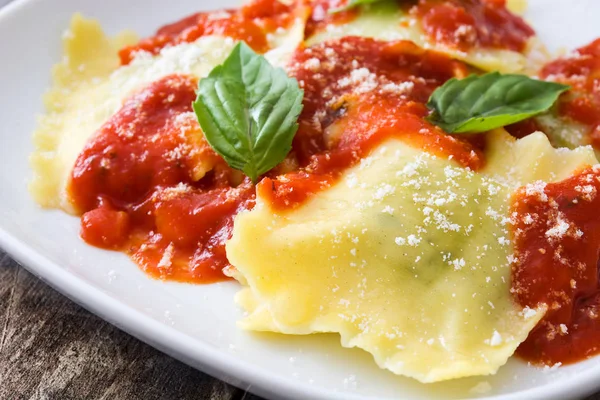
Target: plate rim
199	355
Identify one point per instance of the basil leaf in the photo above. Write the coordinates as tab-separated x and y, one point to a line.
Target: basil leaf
351	4
248	111
480	103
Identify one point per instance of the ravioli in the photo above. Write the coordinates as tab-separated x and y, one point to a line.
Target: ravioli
563	131
408	258
80	103
386	21
517	6
70	118
89	87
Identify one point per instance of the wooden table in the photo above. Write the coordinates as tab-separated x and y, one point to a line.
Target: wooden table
52	349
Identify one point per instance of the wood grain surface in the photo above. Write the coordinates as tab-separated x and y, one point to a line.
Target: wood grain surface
52	349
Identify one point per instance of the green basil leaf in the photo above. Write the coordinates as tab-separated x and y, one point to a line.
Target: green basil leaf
248	111
480	103
351	4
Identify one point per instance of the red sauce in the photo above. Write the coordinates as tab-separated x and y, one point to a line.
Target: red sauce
523	128
376	90
465	24
134	184
581	70
250	23
557	252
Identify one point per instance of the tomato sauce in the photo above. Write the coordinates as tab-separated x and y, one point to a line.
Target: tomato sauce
372	90
524	128
250	23
465	24
135	184
581	70
557	245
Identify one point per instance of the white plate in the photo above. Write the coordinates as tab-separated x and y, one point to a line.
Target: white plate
196	324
